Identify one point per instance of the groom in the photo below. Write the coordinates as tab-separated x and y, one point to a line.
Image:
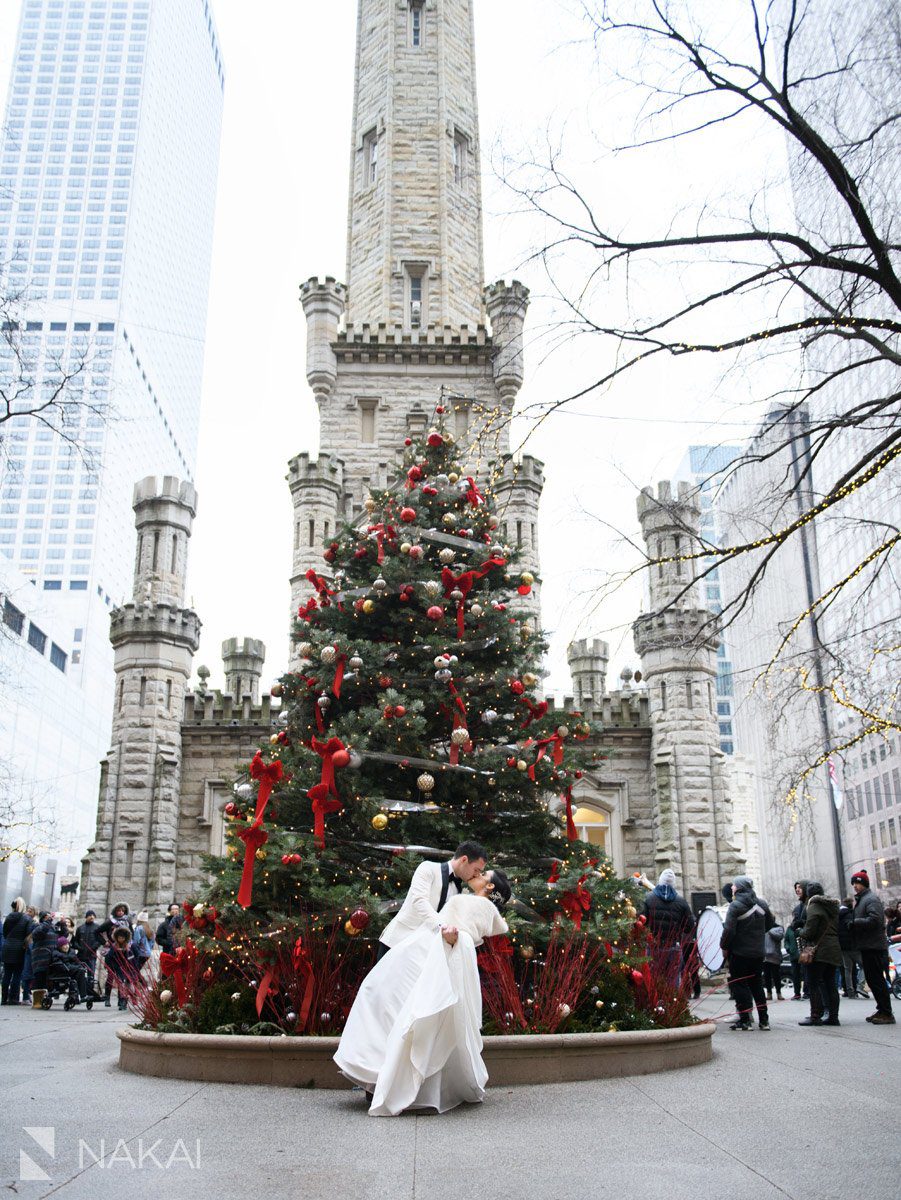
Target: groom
428	894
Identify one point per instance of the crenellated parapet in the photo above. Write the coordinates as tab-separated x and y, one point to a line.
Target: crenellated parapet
164	517
242	661
217	709
507	306
323	305
161	623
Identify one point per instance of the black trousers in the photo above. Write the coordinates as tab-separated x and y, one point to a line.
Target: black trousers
746	980
12	978
824	999
873	973
772	977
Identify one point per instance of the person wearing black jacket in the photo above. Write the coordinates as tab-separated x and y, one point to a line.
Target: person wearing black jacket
87	941
744	943
871	941
16	928
43	940
167	929
672	926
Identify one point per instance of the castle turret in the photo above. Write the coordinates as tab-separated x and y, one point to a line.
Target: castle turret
154	639
242	659
317	493
677	643
323	306
507	308
588	667
518	490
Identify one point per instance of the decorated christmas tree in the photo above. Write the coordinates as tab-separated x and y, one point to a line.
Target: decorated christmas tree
411	722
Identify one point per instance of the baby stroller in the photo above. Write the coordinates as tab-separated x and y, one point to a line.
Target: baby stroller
68	977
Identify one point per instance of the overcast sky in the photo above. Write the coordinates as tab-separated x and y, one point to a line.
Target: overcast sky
281	218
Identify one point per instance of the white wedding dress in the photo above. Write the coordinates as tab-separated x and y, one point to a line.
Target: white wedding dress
413	1034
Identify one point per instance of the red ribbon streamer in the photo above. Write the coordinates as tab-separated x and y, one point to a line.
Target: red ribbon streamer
536	711
340	664
383	531
255	835
264	989
465	581
300	958
459	723
554	740
570	823
324	794
177	965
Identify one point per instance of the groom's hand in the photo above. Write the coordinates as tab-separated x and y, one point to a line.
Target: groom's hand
449	934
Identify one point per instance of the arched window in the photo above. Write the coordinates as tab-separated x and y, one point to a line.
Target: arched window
592	826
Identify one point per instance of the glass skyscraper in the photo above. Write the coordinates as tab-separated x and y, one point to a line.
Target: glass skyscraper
108	174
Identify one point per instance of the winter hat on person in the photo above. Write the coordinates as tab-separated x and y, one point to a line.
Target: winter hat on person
668	877
62	941
742	883
861	877
90	913
143	916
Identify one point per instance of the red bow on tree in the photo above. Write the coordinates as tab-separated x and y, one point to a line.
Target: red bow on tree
473	495
382	533
536	711
177	965
576	903
554	740
322	588
324	794
464	582
255	836
306	610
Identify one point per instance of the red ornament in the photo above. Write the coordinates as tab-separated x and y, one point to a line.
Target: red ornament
416	553
435	612
388	712
408	514
400	710
414	473
435	440
517	687
359	918
384	681
408	441
511	762
358	605
295	859
439	408
230	809
360	552
524	589
404	762
208	975
341	758
286	860
428	490
330	556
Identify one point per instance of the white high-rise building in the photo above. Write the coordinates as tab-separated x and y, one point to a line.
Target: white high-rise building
107	191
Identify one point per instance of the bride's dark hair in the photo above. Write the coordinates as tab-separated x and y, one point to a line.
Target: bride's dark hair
501	891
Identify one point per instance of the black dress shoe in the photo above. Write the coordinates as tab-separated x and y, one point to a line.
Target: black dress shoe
832	1021
811	1021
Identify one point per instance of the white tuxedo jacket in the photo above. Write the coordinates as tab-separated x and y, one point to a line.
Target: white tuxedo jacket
420	906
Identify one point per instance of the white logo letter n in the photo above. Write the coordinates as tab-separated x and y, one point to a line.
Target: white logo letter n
45	1137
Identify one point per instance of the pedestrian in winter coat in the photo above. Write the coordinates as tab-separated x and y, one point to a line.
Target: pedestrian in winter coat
16	928
167	929
871	941
772	961
852	963
87	942
744	944
43	940
142	941
821	932
118	918
671	923
120	966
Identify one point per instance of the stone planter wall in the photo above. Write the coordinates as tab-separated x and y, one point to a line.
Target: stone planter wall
307	1062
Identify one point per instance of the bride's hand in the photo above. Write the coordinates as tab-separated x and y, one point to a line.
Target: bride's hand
449	933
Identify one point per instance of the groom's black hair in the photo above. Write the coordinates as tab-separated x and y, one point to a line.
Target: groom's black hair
471	850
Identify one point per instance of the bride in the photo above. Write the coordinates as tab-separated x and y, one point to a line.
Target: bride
412	1038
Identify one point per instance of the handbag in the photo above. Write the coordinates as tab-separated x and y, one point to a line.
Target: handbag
809	953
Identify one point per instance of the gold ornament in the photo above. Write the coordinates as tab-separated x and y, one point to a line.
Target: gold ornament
613	1027
370	505
599	1003
350	929
527	578
446	555
563	731
305	649
261	854
529	679
449	520
453	477
379	822
425	782
631	911
328	654
368	606
432	588
528	952
406	547
460	736
522	765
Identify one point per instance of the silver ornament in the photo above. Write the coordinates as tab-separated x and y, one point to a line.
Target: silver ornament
166	997
442	480
425	782
355	663
379	584
283	719
460	737
432	588
477	610
324	701
456	595
444	675
236	996
328	654
489	716
291	1017
325	1018
446	556
453	660
304	649
244	791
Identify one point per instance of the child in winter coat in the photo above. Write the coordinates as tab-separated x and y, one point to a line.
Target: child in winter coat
120	965
772	961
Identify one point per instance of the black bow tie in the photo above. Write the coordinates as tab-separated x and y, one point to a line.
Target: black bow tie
458	883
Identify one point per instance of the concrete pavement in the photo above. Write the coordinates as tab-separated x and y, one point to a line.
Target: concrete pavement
809	1114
